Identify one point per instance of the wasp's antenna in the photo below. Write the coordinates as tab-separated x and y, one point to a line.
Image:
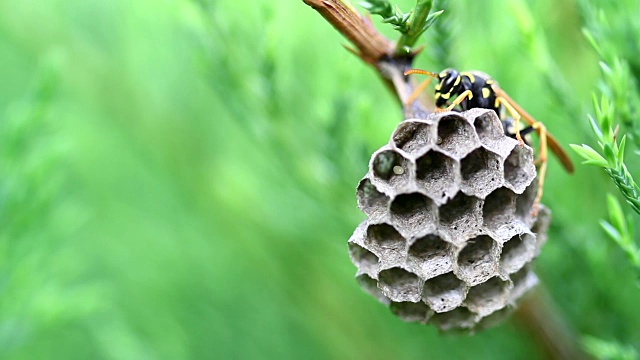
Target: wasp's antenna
422	72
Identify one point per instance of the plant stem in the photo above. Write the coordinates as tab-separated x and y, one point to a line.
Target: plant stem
374	49
538	316
416	25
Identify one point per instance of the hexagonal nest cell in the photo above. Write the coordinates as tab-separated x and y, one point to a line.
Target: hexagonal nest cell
456	136
519	169
412	211
488	127
499	208
481	172
477	261
444	293
371	201
383	238
370	286
435	174
456	319
516	252
488	297
461	216
449	238
400	285
430	256
391	167
411	312
412	136
523	281
366	260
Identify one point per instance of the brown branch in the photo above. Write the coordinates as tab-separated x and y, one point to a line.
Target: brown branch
538	316
371	45
374	49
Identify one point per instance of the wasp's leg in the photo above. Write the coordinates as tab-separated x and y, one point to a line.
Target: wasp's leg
542	158
465	94
516	117
523	132
418	90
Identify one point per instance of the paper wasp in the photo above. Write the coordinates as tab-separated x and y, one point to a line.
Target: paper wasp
474	89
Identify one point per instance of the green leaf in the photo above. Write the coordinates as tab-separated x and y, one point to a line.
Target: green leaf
592	156
609	153
616	214
595	128
431	19
623	142
613	233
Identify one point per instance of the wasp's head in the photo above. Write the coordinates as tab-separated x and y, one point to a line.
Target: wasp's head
449	82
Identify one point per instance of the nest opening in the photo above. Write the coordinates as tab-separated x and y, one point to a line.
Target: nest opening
515	168
488	296
459	318
499	207
400	285
444	293
413	137
384	236
412	211
409	311
370	199
487	128
435	173
363	258
516	252
456	135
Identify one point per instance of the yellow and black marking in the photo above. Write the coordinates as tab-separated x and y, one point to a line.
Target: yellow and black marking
473	89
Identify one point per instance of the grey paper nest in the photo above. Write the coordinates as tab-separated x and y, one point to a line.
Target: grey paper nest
449	236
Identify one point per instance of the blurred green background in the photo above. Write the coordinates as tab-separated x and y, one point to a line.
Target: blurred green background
177	179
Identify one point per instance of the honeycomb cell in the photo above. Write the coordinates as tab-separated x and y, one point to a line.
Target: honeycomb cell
391	167
444	293
365	260
488	127
495	318
540	227
524	202
460	216
430	256
488	297
459	318
414	137
370	286
410	312
516	252
523	281
371	201
412	213
456	136
477	261
519	170
499	208
400	285
481	172
383	239
435	174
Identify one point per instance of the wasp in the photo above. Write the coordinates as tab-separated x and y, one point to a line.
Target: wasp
475	89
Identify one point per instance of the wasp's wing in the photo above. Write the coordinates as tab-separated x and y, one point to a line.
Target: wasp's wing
551	141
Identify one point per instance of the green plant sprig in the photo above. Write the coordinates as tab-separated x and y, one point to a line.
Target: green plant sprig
620	230
411	25
611	157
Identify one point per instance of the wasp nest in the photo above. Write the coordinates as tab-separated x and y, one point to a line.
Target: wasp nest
449	236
